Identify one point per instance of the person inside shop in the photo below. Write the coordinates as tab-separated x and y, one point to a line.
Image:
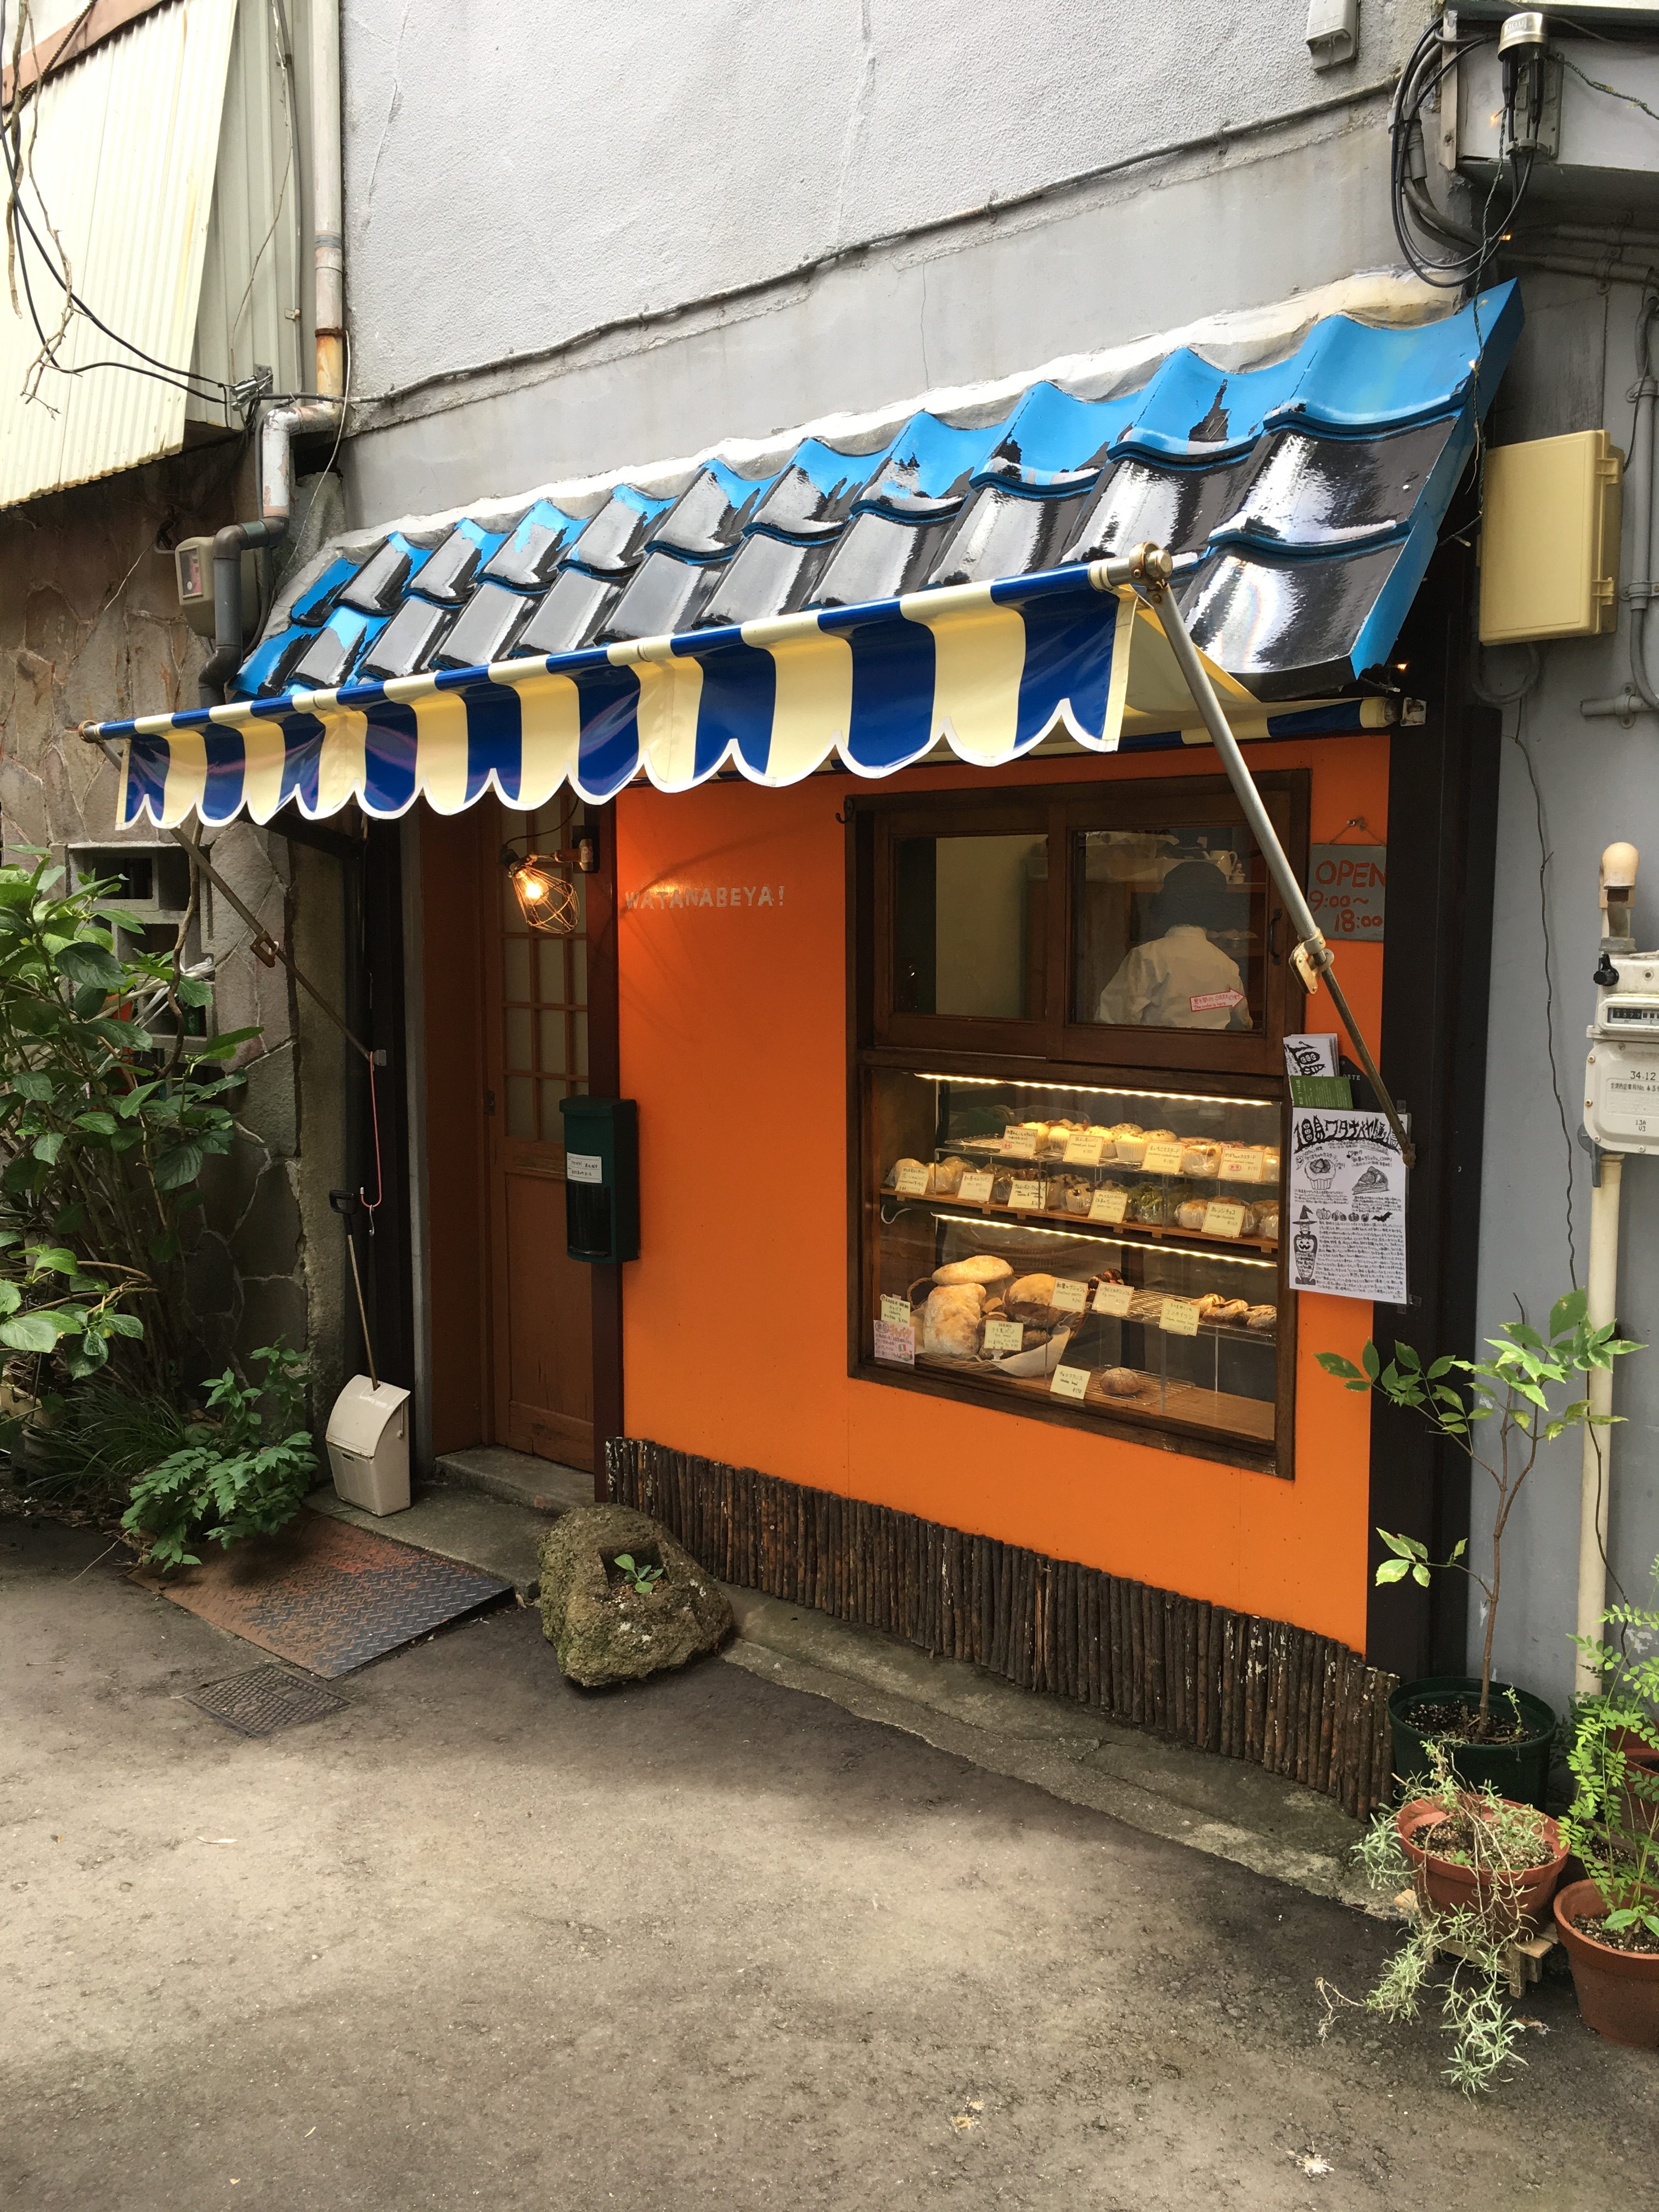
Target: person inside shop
1178	978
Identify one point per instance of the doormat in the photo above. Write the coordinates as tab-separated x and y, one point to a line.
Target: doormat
263	1699
326	1596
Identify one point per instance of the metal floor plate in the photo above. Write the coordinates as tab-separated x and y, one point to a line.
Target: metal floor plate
263	1699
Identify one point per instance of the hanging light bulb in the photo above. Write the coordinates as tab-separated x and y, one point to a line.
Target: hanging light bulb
547	899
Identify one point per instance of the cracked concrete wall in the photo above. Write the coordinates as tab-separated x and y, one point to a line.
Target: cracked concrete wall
90	630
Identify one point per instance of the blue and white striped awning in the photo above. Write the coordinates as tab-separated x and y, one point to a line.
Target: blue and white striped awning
988	670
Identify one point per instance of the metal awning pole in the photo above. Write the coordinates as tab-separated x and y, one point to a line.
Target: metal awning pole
1312	957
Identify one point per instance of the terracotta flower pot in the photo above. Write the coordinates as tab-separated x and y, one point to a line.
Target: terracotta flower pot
1618	1992
1515	1906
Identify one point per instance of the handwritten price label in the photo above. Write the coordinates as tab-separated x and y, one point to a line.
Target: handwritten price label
976	1187
1179	1318
1085	1151
1004	1336
897	1345
1108	1205
1026	1197
1019	1143
1070	1383
895	1312
1113	1298
1164	1158
1240	1164
911	1181
1224	1217
1069	1297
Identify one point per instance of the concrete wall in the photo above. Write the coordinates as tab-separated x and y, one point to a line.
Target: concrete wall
802	209
89	629
1596	782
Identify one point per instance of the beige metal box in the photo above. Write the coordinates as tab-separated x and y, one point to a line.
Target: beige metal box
367	1441
1549	538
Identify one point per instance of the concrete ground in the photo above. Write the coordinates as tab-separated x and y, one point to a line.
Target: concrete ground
484	1939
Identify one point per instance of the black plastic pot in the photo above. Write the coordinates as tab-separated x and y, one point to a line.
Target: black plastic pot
1520	1769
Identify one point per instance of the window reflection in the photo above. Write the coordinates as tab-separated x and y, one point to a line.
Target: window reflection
970	922
1169	927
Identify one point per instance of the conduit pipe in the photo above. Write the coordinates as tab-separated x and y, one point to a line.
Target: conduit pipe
1638	695
322	410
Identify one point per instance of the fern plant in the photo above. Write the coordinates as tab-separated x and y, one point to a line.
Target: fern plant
248	1478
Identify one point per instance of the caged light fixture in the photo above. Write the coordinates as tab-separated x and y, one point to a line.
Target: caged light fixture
544	889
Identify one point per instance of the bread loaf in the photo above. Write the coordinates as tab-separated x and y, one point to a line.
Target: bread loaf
950	1321
1029	1298
982	1269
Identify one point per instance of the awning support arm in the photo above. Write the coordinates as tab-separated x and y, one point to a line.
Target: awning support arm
1312	957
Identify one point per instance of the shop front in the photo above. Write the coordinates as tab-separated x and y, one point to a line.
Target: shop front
949	982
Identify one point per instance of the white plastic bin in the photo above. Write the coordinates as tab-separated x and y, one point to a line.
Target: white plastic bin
367	1441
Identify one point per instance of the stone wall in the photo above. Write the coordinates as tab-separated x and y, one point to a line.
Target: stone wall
90	630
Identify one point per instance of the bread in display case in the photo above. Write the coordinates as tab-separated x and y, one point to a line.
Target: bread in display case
1109	1249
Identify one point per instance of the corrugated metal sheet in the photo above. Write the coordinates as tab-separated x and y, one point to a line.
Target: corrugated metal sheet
124	149
251	279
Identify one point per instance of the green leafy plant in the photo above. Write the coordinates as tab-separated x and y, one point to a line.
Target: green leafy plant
641	1578
234	1483
1495	1836
1613	1822
1512	1389
87	1446
51	1301
105	1120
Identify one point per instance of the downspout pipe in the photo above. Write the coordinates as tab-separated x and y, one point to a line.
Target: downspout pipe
309	417
1638	695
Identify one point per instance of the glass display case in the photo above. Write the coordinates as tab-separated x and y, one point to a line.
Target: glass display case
1107	1251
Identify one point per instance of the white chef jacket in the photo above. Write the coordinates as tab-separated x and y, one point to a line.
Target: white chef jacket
1164	984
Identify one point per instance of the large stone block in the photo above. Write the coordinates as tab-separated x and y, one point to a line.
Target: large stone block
601	1628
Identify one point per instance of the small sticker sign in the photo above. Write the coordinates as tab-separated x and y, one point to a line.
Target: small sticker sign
1179	1318
584	1167
1085	1151
977	1186
1108	1204
1026	1197
895	1312
897	1345
911	1181
1004	1336
1019	1143
1113	1298
1209	1002
1070	1383
1069	1297
1164	1156
1240	1162
1224	1217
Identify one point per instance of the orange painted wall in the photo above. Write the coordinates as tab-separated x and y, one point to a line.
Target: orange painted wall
733	1042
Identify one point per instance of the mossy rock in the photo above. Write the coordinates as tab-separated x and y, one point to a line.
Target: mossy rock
602	1630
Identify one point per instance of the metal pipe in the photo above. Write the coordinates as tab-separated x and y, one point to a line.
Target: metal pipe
1313	957
327	198
1595	1474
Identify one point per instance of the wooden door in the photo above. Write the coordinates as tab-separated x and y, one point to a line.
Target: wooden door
536	1000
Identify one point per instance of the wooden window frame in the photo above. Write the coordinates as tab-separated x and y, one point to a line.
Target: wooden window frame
1052	1048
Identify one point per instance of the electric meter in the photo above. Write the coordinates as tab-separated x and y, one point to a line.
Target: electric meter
1621	1075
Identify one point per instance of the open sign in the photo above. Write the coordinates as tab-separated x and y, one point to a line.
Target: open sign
1347	890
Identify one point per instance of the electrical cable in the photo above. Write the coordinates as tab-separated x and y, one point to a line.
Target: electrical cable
1410	202
1517	738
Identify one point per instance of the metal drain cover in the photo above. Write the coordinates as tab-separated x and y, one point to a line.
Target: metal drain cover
265	1699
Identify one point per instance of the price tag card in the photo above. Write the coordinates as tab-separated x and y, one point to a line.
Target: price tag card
1164	1156
1224	1217
1070	1383
1113	1298
1004	1336
1019	1143
1108	1204
911	1181
895	1312
1069	1297
898	1345
1179	1317
1085	1151
977	1186
1026	1197
1240	1164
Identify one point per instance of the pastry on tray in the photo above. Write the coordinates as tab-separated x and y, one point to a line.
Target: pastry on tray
1200	1157
1029	1298
1121	1382
1261	1317
1189	1214
947	1176
1230	1311
982	1269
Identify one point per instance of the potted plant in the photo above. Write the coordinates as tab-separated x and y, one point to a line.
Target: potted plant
1483	1870
1495	1734
1609	1922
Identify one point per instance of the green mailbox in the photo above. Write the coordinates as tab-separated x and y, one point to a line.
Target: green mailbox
601	1178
